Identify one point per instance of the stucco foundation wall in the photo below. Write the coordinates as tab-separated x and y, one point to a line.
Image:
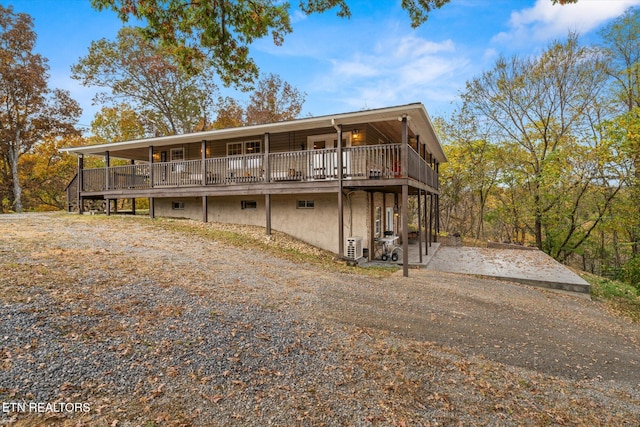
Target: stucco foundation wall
317	226
229	210
357	216
192	208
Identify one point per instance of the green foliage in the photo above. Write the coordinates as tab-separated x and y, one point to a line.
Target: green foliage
143	76
219	34
29	110
631	272
620	297
273	100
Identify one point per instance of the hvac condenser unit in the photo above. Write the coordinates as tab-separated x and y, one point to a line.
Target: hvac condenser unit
354	247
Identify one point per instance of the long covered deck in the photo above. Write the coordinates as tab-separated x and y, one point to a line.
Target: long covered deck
359	165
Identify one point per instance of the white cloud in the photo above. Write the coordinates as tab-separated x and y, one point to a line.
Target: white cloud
546	21
397	70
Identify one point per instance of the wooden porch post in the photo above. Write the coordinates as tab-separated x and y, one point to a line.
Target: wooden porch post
133	201
267	209
437	219
404	148
419	225
151	166
372	228
267	178
107	162
437	207
340	203
426	226
205	208
203	167
405	198
430	218
152	213
80	183
405	230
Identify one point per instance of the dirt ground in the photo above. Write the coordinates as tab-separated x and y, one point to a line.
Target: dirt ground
258	339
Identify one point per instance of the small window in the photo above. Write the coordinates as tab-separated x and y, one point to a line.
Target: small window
252	147
306	204
234	149
177	154
177	206
249	204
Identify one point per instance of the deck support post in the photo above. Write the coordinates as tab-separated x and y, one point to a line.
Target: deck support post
80	183
420	224
405	230
108	206
437	208
430	219
426	226
267	211
405	197
267	178
205	208
340	201
152	213
372	227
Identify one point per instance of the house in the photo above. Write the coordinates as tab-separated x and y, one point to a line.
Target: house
338	182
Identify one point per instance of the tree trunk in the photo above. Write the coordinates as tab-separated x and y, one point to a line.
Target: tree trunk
538	221
17	188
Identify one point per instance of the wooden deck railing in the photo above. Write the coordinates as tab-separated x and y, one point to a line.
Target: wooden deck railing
364	162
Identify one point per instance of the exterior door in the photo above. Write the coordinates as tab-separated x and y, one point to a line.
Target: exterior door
324	163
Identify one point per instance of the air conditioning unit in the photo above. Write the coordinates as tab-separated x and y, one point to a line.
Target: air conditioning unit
354	247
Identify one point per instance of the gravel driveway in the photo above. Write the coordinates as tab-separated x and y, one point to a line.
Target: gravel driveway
146	325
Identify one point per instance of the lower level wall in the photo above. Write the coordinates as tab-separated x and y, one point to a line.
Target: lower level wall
312	218
178	207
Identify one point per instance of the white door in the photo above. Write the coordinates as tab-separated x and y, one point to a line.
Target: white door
325	163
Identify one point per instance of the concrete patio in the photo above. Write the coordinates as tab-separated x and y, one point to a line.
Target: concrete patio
529	267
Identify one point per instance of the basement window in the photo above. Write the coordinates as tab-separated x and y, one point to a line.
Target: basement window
177	206
306	204
249	204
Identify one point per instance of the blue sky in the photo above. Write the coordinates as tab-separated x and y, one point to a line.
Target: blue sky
372	60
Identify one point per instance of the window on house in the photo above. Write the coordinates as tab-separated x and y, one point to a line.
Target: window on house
252	147
177	154
248	204
177	206
234	149
305	204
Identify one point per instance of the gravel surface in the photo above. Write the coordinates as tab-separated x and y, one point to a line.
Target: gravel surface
148	325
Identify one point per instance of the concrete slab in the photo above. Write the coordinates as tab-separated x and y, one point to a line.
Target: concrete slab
414	257
533	268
